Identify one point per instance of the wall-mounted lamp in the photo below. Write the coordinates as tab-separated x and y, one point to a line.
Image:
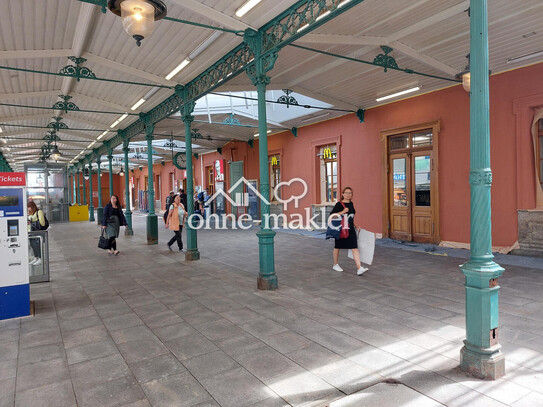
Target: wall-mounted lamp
465	75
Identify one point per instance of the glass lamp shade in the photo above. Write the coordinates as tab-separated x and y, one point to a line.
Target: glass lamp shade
121	173
138	18
55	154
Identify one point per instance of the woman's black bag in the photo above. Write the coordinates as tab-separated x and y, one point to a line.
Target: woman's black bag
103	243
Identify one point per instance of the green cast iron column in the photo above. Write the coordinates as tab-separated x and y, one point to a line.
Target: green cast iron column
152	220
77	185
267	280
128	211
70	185
481	354
100	209
91	206
192	235
84	184
110	160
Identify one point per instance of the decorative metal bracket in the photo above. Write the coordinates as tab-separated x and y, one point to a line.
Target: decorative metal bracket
195	155
64	105
77	71
360	114
294	131
195	134
287	99
251	143
57	124
51	136
231	120
219	150
385	60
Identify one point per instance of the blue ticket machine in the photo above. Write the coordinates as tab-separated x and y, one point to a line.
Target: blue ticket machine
14	278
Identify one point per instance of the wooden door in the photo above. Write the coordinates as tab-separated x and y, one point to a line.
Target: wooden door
411	196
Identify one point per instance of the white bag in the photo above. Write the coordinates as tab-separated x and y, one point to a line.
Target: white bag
366	246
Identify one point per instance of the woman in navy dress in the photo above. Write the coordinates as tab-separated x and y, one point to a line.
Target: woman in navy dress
345	208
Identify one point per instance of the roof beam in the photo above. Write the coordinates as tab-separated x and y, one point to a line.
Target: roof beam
28	95
434	19
208	12
32	54
343	39
126	69
25	117
104	103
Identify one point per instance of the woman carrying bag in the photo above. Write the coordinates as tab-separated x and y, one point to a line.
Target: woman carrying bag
345	210
175	222
112	221
36	221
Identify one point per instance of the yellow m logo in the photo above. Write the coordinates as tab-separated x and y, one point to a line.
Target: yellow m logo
327	153
274	160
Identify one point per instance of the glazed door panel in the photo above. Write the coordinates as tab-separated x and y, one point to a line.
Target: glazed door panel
421	182
400	212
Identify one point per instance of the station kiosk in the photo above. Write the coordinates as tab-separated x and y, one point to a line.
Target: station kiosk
14	279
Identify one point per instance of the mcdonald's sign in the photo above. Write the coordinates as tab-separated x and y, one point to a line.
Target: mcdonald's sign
327	153
274	160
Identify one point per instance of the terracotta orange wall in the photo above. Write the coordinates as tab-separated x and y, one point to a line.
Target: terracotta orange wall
118	188
361	155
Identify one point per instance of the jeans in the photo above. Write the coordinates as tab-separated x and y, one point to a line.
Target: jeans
177	237
36	246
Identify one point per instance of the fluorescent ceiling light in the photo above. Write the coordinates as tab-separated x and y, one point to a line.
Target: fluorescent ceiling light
240	12
200	48
138	104
149	94
403	92
91	144
256	134
525	57
103	134
120	119
320	116
303	27
1	130
343	3
183	64
323	15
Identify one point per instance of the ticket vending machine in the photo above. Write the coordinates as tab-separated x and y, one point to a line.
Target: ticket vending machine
14	279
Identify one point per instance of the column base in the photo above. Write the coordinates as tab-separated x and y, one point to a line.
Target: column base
267	282
488	364
152	229
99	215
128	232
91	214
192	255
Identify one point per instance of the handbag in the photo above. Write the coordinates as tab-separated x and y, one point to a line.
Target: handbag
344	232
103	242
366	246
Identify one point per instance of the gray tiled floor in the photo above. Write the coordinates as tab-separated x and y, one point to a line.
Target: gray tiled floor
146	328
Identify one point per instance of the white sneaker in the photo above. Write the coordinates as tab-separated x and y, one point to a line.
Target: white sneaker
31	259
337	268
38	262
361	270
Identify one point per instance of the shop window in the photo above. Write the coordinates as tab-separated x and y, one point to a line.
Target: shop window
329	173
274	162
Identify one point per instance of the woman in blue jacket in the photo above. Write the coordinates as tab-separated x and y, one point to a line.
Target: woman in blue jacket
112	221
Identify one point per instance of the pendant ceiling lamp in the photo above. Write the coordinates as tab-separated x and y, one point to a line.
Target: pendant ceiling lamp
121	172
465	75
138	16
55	153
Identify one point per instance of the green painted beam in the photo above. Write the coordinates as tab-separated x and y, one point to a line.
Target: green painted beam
277	33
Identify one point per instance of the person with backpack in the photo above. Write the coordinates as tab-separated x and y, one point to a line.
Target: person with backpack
169	201
175	222
36	221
